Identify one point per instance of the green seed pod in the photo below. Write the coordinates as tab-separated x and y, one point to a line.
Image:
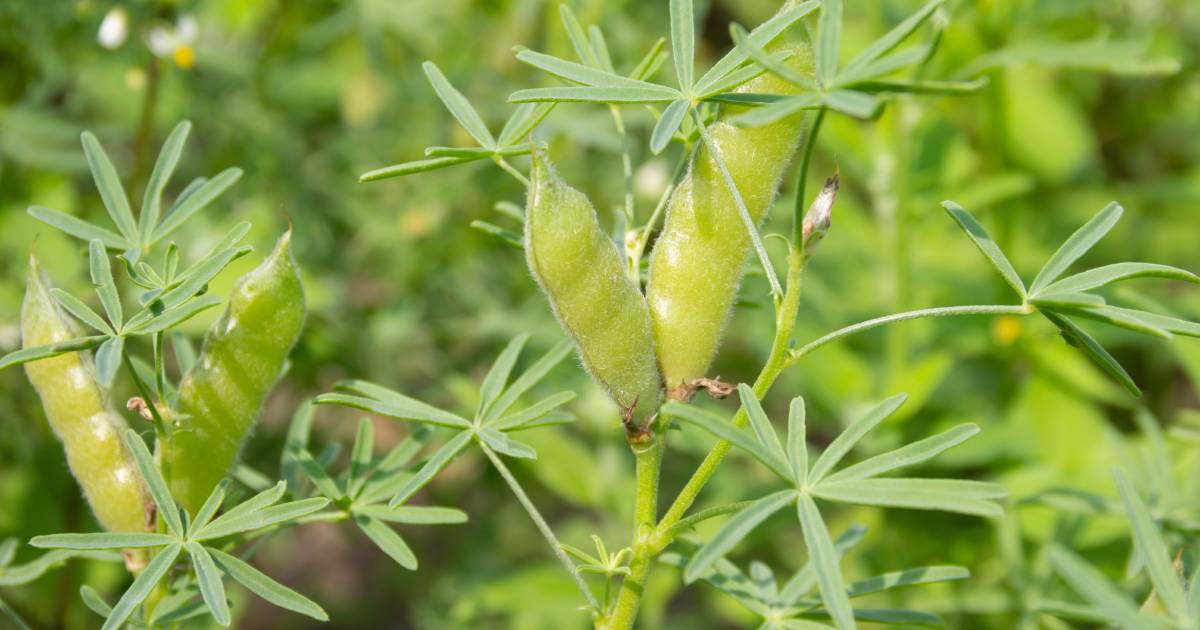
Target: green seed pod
81	415
242	357
699	258
581	272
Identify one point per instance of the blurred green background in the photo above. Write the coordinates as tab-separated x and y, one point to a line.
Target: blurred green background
305	96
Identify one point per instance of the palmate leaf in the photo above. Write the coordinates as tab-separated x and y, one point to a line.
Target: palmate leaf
164	167
438	461
852	103
1092	348
142	585
109	185
759	37
199	199
1077	245
986	245
502	443
909	455
209	579
720	428
135	237
1066	300
387	540
414	514
945	495
79	228
232	522
168	511
25	355
668	124
19	574
263	586
497	376
892	38
458	105
1108	274
846	440
389	403
825	562
530	377
734	530
360	457
767	437
829	31
797	442
541	409
884	66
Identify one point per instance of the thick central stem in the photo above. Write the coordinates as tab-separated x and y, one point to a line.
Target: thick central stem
646	546
649	539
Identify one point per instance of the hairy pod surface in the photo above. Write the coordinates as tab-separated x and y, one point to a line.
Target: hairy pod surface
697	263
81	415
581	272
243	355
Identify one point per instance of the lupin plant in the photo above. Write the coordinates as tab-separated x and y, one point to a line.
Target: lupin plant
648	340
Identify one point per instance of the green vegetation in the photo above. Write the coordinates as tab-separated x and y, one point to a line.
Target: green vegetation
907	432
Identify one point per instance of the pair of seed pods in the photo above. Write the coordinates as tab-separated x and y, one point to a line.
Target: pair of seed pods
636	345
219	398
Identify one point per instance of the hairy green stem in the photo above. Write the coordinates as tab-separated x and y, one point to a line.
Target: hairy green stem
944	311
648	465
541	524
689	522
508	168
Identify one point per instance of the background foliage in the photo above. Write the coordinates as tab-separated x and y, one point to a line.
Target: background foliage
305	96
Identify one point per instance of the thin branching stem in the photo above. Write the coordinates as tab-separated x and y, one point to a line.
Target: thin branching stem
626	163
541	524
160	427
508	168
689	522
801	178
751	228
944	311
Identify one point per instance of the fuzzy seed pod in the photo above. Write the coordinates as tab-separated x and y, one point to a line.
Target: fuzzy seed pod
81	415
243	356
581	272
699	258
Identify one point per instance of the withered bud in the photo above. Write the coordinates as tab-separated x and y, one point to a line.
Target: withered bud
820	215
138	405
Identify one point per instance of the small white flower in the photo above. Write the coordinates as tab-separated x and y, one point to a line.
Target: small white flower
175	41
114	29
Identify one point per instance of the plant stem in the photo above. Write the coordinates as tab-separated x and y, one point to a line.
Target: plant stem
160	428
626	163
685	524
801	179
785	322
541	524
508	168
944	311
648	547
648	465
751	227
